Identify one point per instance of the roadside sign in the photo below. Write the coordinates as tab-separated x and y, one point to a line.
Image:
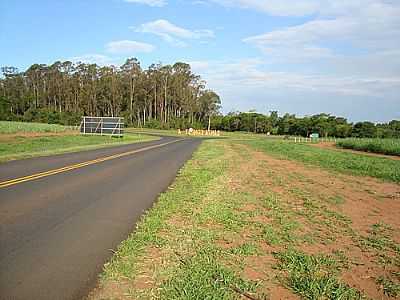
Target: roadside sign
113	126
314	135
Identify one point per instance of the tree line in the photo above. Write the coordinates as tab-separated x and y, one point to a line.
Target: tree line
161	96
325	125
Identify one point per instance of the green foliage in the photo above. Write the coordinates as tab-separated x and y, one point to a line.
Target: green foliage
202	277
51	117
323	124
356	164
384	146
314	276
390	288
64	91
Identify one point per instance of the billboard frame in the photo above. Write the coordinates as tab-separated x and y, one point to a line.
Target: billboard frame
112	126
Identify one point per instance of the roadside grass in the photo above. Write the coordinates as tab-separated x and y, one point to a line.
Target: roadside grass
10	127
230	228
382	146
350	163
25	147
315	276
389	287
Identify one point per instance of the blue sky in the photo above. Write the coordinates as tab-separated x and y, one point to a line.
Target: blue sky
303	56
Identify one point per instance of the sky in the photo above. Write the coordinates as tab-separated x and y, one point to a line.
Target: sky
295	56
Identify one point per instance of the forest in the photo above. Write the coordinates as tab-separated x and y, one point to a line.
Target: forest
161	96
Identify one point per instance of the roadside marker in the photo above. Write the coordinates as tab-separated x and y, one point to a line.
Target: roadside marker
77	166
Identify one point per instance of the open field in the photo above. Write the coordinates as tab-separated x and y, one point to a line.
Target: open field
7	127
261	219
383	146
351	163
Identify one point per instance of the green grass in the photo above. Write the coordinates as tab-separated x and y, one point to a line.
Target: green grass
382	146
203	277
24	147
314	276
390	288
8	127
351	163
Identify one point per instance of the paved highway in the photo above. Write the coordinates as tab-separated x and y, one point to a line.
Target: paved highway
61	216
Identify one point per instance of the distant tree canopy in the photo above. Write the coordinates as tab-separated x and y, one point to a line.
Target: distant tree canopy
162	96
323	124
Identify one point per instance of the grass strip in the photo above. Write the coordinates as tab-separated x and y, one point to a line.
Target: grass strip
350	163
382	146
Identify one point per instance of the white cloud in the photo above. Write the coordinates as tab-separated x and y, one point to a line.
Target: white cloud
276	7
248	83
341	29
128	47
250	74
172	33
98	59
154	3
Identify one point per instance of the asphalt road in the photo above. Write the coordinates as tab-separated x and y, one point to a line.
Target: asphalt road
57	230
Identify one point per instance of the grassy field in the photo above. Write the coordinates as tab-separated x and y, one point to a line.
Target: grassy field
383	146
350	163
7	127
247	219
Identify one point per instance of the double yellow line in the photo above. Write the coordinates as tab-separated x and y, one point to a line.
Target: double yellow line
77	166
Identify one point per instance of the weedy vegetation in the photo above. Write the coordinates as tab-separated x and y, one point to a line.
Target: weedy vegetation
383	146
351	163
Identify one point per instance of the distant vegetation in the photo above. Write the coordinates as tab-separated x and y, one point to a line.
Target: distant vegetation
324	124
384	146
17	127
159	97
162	96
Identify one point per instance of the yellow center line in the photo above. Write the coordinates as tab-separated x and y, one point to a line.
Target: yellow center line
77	166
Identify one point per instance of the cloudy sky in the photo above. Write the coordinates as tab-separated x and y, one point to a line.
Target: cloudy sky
297	56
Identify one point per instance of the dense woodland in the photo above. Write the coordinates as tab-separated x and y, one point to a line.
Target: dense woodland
161	96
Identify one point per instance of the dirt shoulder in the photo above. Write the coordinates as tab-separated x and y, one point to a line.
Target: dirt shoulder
240	224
